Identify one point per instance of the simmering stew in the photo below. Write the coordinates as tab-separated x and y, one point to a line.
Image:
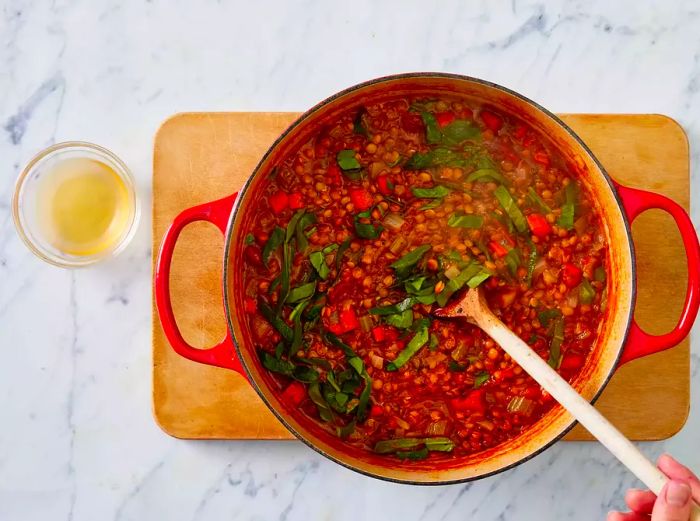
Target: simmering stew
381	218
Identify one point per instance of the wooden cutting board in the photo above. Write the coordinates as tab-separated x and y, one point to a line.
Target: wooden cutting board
199	157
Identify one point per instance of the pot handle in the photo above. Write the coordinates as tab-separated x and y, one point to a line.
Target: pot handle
222	354
639	343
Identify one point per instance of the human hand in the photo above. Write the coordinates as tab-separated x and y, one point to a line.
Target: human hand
673	503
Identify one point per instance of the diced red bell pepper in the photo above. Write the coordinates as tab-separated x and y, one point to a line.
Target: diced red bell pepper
541	157
383	185
444	118
294	394
279	201
539	226
347	322
361	199
378	334
473	402
376	410
383	333
491	120
498	249
250	305
296	200
571	361
571	275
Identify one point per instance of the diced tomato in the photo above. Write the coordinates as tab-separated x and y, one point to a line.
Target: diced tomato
571	275
520	131
498	249
376	410
412	122
251	306
473	402
378	333
571	361
539	225
384	333
361	199
541	157
279	202
491	120
296	200
294	394
347	322
444	118
383	185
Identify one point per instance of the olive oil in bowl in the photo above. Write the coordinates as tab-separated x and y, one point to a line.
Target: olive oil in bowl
75	204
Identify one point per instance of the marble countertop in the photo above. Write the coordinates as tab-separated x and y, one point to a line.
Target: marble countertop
77	439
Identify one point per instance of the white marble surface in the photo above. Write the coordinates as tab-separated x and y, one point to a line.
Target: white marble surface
77	440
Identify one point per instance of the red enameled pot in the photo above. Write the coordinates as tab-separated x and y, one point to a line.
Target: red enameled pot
620	339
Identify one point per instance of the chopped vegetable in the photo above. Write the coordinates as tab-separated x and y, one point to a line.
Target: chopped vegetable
555	344
318	261
491	120
394	221
465	221
361	199
432	129
301	292
437	192
402	320
406	263
538	201
347	160
279	202
571	275
539	225
480	379
586	292
568	211
484	175
521	405
418	341
508	203
249	239
274	242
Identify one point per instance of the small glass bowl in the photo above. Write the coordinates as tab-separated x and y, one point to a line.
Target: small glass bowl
24	203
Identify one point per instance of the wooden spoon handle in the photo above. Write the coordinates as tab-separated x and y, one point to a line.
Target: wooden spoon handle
584	412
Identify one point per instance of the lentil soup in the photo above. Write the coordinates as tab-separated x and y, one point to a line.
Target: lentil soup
382	217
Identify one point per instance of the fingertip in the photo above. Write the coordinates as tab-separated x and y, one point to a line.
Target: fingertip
613	515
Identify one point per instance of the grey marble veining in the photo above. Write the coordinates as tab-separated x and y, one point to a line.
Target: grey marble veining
77	440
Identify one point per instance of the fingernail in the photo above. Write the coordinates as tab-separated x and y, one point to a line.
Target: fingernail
677	493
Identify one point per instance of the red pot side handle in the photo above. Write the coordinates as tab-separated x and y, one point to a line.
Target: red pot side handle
640	343
222	354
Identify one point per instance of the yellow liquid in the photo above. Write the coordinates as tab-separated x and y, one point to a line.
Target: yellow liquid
83	206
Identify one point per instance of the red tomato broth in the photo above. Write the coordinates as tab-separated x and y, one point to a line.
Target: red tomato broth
434	393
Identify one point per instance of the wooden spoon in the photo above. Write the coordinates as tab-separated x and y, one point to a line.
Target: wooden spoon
474	308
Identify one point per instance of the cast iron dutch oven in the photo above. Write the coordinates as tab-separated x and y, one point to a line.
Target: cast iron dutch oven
620	339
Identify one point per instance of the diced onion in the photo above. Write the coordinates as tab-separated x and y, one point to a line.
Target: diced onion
540	266
459	352
394	221
398	245
366	323
437	428
376	361
572	299
486	424
521	405
580	224
452	272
